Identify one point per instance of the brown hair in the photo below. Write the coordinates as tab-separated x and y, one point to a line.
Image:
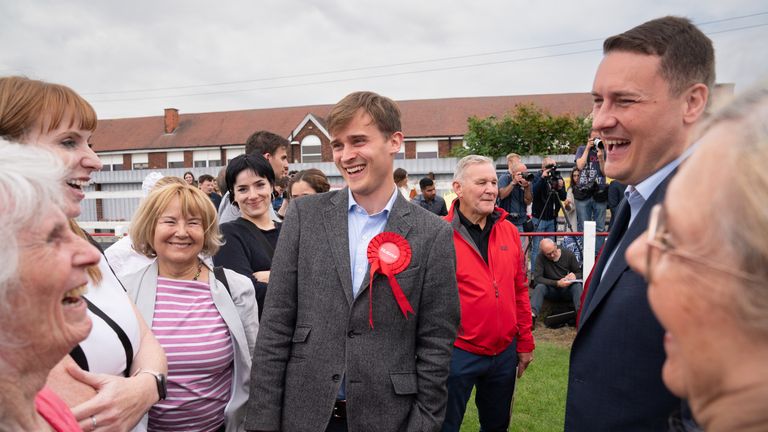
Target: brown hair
383	111
263	142
313	177
193	202
24	103
687	55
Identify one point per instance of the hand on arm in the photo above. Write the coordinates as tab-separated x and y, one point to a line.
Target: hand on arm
262	276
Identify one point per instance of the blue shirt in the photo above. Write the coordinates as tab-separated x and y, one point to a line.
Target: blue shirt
514	203
637	195
362	228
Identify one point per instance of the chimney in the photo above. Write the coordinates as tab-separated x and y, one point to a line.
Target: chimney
171	120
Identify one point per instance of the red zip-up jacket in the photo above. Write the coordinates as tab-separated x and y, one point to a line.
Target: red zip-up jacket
495	306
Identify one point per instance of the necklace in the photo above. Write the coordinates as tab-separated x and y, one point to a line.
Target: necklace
199	269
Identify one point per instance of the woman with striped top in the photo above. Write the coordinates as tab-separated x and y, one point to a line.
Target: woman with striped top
206	322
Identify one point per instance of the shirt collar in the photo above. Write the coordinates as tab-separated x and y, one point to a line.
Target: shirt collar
387	208
646	187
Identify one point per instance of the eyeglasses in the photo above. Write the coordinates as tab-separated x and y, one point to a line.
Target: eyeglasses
659	243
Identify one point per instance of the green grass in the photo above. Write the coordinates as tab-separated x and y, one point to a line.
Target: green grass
539	395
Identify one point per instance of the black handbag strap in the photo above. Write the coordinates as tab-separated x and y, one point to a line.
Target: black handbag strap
218	271
124	340
260	237
79	357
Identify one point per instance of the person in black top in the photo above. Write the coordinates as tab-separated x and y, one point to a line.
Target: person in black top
548	192
251	238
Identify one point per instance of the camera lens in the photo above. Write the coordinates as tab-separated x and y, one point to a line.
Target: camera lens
599	143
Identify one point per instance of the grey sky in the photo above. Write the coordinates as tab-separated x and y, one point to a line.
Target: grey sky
109	46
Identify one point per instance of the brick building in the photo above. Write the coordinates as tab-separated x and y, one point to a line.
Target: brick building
432	127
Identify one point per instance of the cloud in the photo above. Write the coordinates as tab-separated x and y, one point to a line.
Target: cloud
98	47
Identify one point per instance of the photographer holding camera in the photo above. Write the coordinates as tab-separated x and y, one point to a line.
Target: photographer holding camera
591	193
548	192
515	191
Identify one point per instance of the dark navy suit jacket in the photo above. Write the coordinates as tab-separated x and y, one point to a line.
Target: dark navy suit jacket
614	383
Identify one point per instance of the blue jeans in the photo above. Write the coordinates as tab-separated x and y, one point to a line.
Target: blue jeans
591	210
541	226
571	292
494	377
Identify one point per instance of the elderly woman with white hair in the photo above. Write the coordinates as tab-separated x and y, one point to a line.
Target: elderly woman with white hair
42	314
705	257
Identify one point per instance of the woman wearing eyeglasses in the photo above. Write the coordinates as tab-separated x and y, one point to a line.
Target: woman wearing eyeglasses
707	271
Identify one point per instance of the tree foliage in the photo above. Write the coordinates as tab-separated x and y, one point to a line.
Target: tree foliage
527	130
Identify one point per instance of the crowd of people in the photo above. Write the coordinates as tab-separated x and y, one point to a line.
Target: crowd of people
373	307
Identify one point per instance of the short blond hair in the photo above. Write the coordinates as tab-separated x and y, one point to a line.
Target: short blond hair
193	202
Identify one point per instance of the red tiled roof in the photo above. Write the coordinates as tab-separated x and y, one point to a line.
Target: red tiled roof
421	118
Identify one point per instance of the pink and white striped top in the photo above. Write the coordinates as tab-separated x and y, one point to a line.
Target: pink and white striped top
200	357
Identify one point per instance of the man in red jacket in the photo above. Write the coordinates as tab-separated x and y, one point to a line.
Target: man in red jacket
495	341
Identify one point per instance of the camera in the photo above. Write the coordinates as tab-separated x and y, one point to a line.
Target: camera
599	143
527	176
554	176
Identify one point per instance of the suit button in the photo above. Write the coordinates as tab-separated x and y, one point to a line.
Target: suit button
351	334
336	378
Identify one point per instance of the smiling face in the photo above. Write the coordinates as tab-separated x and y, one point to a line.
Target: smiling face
71	144
48	309
253	194
178	238
364	157
643	126
477	190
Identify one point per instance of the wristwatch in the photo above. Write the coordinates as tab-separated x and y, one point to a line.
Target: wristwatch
162	383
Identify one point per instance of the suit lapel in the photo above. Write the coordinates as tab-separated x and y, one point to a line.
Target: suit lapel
335	219
600	288
396	223
619	228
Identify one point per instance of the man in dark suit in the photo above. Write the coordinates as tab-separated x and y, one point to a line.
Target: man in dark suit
650	89
335	352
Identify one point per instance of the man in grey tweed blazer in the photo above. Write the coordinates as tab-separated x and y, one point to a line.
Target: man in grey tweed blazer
325	358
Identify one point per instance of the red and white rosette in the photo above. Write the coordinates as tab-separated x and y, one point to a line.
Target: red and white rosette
389	254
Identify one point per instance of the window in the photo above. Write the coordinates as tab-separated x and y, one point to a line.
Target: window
234	152
311	149
175	159
140	161
401	154
426	149
206	158
111	162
